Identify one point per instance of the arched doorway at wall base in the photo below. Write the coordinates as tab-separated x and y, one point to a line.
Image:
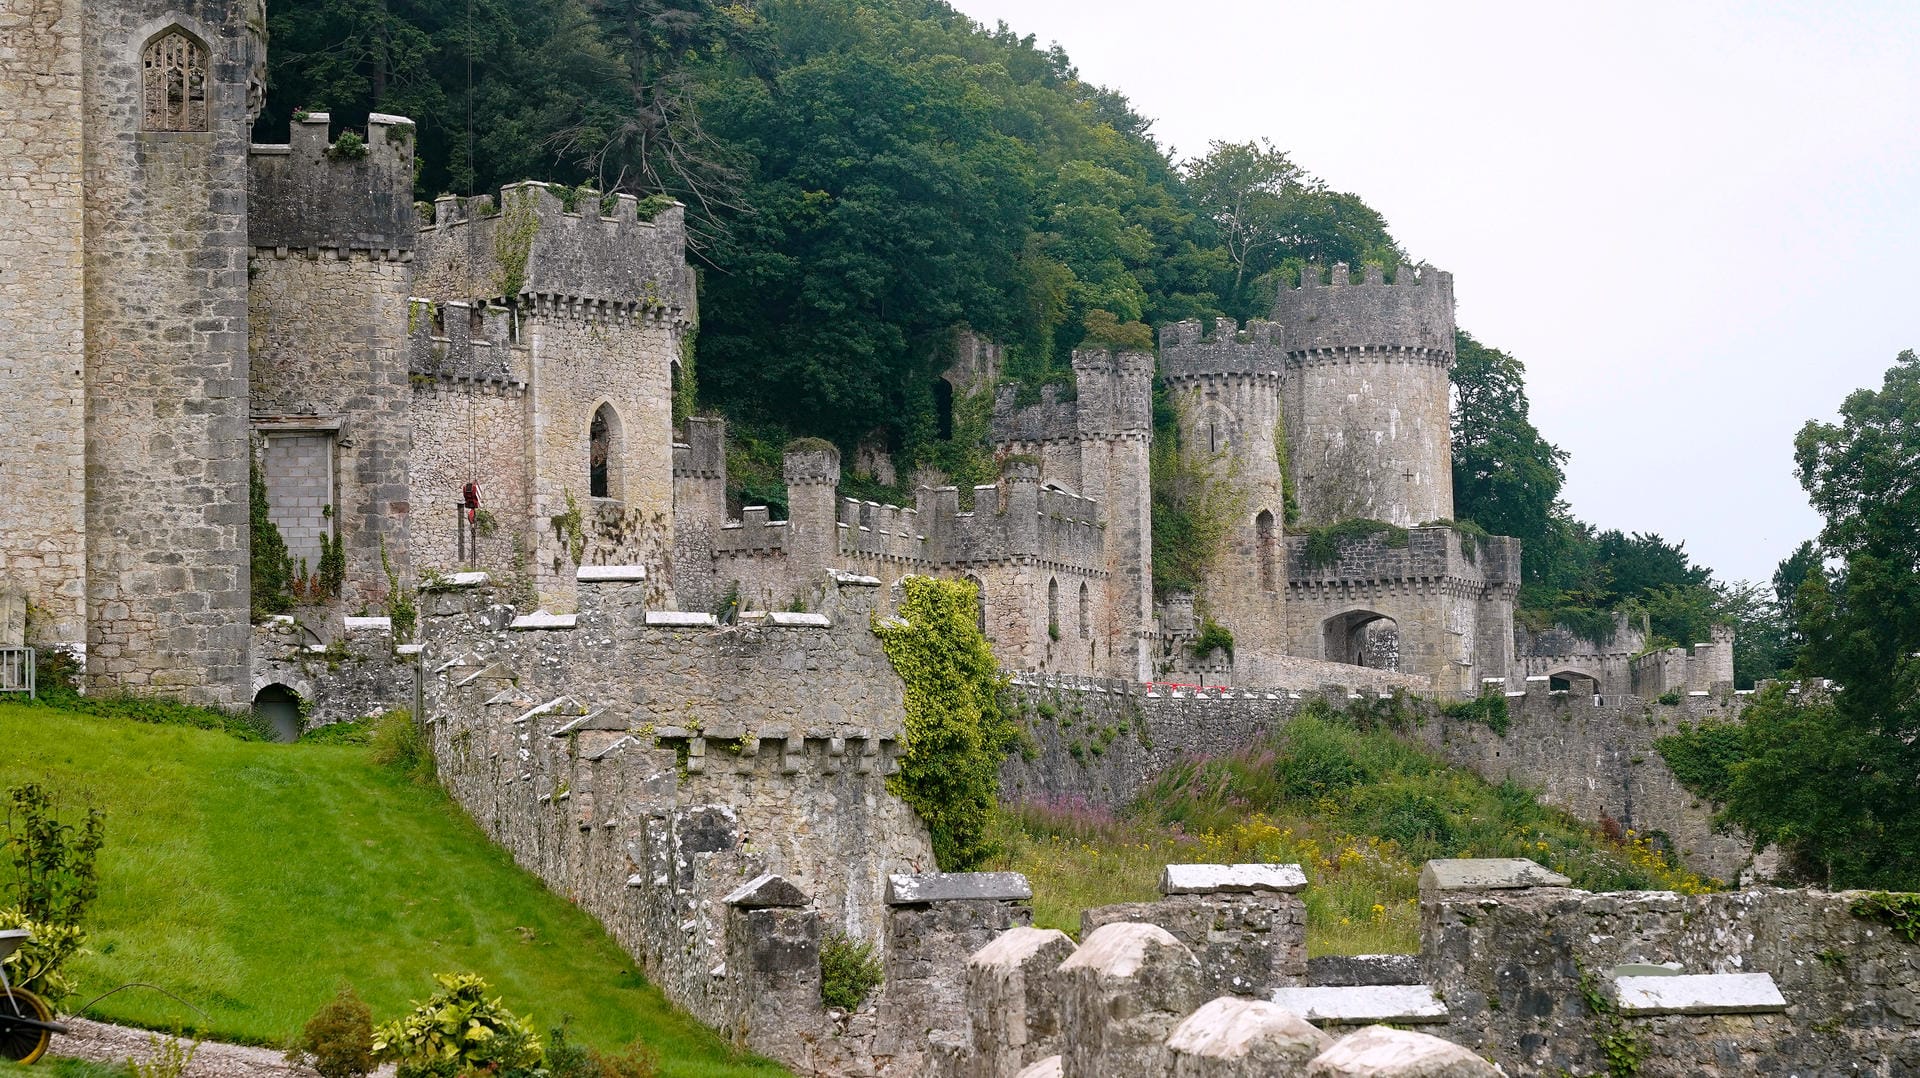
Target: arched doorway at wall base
1362	638
276	710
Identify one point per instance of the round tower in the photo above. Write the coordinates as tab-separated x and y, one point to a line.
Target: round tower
1226	390
1365	399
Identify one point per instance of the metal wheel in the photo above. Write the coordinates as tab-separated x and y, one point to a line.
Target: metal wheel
23	1042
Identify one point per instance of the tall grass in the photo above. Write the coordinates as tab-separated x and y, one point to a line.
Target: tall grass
1357	807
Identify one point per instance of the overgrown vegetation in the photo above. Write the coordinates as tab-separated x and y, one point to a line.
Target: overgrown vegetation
51	879
457	1031
398	743
1899	912
1194	504
386	878
849	971
57	675
1212	637
337	1042
957	734
1324	545
1702	757
1336	791
270	565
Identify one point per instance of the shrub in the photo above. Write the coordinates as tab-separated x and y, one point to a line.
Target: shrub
50	860
849	971
1213	637
399	744
457	1030
1670	698
36	965
337	1041
1702	757
1489	710
1325	545
571	1059
167	1057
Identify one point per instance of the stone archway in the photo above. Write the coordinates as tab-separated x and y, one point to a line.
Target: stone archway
1362	638
276	708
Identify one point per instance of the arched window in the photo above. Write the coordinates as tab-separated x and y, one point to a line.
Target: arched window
603	453
173	82
1086	613
1264	543
1053	608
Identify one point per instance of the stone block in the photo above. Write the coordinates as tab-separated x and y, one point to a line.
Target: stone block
1122	994
906	890
540	619
1364	1004
767	891
1049	1067
1347	970
1699	993
1232	1037
1215	879
1012	1002
1380	1052
1487	874
1248	943
681	619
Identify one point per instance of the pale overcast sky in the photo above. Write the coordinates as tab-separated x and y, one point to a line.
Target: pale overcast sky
1695	223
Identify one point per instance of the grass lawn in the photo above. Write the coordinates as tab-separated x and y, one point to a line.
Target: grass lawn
252	878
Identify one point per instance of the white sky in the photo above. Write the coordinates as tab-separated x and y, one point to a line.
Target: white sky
1695	223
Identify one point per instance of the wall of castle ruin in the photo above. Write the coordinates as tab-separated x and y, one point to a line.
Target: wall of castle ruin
42	317
645	766
166	331
471	431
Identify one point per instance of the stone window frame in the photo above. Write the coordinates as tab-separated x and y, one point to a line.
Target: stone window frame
1266	542
609	485
201	50
264	431
1086	612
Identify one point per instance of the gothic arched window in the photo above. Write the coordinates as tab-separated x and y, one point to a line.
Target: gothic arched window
603	454
173	87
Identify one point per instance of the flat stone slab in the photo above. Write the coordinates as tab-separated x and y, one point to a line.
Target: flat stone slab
540	619
610	574
767	891
782	617
1487	874
1362	1005
906	890
1699	993
458	580
1046	1068
682	619
1231	879
361	625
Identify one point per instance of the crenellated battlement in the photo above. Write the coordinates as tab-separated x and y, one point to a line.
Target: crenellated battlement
1256	349
1112	397
595	259
1436	554
464	342
320	195
1413	313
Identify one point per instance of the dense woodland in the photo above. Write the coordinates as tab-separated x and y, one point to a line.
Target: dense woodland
863	176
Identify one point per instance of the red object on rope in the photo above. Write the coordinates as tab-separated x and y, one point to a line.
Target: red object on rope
470	497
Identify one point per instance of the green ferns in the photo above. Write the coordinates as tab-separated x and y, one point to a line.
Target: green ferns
957	732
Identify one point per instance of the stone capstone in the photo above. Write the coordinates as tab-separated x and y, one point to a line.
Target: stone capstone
1699	993
1213	879
907	890
1381	1052
766	891
1487	874
1364	1004
1243	1038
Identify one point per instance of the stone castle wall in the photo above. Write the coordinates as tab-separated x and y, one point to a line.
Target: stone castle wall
471	430
166	362
327	308
42	321
1366	395
1104	741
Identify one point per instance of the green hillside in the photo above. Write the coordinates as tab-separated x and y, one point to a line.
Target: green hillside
252	878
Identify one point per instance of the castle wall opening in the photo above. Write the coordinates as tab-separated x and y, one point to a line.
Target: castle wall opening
1575	681
173	82
277	708
1363	638
603	453
298	468
1265	540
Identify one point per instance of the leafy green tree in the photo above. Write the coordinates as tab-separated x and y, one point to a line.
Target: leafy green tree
1506	477
1837	777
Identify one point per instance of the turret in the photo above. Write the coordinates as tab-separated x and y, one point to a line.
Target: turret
812	471
1366	394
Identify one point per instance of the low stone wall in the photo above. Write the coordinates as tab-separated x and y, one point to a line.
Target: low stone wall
346	670
1509	965
1104	740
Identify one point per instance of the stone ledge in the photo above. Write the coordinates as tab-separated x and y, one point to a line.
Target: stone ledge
456	580
1699	993
361	625
767	891
1364	1005
681	619
610	574
1231	879
540	619
908	890
1487	874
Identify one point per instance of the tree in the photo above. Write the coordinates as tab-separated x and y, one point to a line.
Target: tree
1837	777
1506	477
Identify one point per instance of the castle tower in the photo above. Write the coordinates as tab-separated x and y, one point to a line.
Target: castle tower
1226	389
1114	418
42	324
1365	400
170	89
811	468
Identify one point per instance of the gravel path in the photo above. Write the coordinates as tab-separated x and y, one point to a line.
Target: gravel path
101	1042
